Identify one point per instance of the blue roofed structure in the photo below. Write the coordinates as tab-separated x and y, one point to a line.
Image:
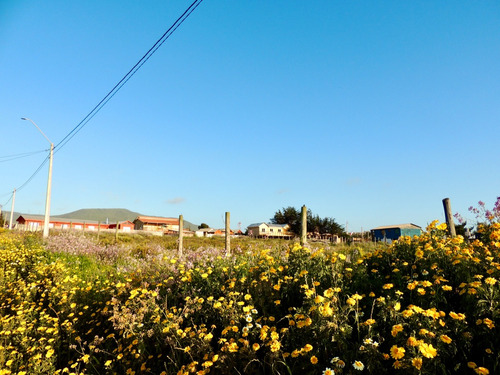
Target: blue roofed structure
389	233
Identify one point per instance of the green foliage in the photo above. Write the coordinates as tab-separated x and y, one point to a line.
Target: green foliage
316	224
424	305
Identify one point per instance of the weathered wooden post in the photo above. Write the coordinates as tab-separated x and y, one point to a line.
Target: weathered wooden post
449	217
116	231
303	227
181	233
98	230
12	210
228	234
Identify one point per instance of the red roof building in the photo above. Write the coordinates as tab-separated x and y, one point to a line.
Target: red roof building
156	224
125	226
35	222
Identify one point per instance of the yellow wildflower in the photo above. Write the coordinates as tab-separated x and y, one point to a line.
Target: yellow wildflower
417	363
482	371
446	339
396	329
427	350
397	352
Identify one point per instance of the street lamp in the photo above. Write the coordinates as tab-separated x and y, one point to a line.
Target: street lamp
49	182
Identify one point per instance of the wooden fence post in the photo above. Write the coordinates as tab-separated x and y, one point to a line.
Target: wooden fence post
98	230
116	231
449	217
181	234
228	234
303	227
12	210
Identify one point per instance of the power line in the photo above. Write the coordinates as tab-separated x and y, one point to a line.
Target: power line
33	175
129	75
6	158
114	90
29	179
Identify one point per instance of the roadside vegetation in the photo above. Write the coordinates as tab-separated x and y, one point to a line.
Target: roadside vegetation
424	305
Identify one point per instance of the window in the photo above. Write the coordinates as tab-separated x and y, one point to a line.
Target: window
271	230
263	230
279	230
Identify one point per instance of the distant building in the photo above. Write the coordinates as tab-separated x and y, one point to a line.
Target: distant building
268	230
156	224
391	233
125	226
205	232
35	222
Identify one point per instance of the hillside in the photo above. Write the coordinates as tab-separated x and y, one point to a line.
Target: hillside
111	215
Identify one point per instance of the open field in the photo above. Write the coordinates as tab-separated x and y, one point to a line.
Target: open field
425	305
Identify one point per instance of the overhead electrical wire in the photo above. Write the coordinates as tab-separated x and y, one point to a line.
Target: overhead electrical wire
6	158
116	88
129	75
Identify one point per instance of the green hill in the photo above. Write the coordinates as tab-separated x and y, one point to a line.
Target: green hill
111	215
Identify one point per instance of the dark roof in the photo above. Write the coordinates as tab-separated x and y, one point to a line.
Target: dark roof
157	220
54	219
268	224
402	226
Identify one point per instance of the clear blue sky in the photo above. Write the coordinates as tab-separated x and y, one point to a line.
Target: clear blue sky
370	112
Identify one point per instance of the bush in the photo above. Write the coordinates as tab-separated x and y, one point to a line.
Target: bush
424	305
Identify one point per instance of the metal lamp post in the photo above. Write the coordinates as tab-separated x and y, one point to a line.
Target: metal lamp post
49	182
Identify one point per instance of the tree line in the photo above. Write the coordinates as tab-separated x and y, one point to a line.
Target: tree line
315	223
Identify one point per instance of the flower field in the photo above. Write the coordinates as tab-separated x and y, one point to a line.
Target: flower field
424	305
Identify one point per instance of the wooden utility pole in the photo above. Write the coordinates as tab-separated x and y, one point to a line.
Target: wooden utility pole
181	233
449	217
303	227
228	234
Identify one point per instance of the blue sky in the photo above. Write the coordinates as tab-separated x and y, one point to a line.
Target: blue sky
369	112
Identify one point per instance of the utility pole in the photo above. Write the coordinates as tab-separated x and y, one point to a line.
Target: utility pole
49	182
12	208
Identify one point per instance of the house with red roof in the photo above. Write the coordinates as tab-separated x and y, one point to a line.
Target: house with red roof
156	224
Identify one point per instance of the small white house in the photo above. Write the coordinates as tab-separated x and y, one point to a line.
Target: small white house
205	232
268	230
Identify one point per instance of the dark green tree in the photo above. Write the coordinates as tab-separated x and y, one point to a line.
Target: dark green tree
203	225
292	217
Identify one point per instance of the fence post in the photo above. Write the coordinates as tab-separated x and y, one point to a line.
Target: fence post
449	217
228	234
98	230
12	210
303	227
181	234
116	231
